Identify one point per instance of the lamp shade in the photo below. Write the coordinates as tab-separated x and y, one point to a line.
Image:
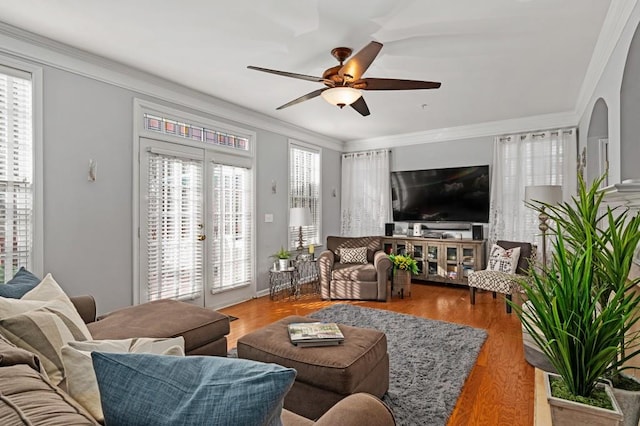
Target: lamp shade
547	194
299	216
341	96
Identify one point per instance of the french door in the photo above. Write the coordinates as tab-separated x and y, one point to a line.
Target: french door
196	227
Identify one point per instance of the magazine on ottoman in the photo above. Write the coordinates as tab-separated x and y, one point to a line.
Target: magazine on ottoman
306	334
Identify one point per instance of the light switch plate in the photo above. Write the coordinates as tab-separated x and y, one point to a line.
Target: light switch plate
268	218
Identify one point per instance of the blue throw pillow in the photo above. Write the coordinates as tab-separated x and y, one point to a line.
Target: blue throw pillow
19	285
147	389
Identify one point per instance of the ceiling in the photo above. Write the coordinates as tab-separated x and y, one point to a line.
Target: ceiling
497	59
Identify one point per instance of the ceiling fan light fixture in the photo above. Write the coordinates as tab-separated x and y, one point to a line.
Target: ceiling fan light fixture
341	96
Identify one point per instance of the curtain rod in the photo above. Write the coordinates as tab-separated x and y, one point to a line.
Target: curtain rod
539	134
364	153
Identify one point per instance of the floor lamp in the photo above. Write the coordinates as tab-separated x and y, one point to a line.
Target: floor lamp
535	197
299	216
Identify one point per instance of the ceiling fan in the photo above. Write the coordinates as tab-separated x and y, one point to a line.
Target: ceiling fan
344	83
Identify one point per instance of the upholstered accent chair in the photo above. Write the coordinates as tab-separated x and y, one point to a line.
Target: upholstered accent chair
344	275
502	282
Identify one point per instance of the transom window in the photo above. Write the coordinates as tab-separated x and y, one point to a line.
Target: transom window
194	132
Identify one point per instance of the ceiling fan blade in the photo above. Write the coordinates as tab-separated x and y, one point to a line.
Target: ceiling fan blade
361	106
303	98
291	74
358	64
394	84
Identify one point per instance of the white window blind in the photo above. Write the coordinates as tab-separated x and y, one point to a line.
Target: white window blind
16	172
304	191
232	242
174	223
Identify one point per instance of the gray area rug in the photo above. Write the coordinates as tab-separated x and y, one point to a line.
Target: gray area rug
429	360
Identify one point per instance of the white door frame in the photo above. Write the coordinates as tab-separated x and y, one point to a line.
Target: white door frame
223	154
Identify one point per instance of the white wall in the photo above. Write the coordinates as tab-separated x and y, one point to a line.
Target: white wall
436	155
87	225
608	88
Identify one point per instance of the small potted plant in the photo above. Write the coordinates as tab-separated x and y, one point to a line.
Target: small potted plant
283	258
403	267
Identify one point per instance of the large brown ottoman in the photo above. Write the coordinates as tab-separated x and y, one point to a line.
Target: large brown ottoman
204	330
326	374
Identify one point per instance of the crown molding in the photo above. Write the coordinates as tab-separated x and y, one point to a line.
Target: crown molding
494	128
25	45
612	27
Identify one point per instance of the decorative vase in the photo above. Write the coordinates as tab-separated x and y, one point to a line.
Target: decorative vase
569	413
283	263
629	402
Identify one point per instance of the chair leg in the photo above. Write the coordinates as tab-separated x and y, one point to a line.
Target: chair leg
472	291
494	294
509	298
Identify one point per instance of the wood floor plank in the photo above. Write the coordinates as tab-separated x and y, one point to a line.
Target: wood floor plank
500	388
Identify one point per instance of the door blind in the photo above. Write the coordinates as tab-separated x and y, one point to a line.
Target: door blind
232	236
174	224
304	191
16	174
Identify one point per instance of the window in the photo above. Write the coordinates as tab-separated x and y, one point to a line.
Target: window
194	132
174	217
304	190
232	240
16	172
521	160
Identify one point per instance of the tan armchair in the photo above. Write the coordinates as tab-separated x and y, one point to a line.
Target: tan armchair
356	281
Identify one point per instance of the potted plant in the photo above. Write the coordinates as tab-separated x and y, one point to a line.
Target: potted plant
283	258
615	236
403	266
580	306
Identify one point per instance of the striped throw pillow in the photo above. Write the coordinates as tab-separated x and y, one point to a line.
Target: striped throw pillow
43	326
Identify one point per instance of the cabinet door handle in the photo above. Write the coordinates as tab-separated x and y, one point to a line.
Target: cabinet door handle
202	237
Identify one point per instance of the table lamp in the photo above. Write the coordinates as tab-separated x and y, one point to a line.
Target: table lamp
299	216
549	195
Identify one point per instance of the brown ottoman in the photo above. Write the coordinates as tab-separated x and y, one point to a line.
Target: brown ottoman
204	330
326	374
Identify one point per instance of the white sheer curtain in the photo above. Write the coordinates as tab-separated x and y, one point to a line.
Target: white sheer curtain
520	160
365	193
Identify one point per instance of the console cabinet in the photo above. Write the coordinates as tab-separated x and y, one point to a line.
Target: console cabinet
440	260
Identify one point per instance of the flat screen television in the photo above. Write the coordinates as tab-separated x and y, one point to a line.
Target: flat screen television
457	194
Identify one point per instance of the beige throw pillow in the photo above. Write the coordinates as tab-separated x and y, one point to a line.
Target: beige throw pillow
82	384
42	322
503	260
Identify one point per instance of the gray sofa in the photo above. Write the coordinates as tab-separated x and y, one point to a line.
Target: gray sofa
363	281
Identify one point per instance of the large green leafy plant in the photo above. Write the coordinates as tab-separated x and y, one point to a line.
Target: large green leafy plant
613	231
582	311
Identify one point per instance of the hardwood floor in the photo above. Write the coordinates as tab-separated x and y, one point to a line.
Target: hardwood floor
500	388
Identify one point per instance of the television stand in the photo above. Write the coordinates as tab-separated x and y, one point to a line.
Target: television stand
440	260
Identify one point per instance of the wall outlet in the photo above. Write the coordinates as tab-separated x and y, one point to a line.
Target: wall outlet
268	218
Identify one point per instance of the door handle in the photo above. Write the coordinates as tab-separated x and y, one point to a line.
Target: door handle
202	237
